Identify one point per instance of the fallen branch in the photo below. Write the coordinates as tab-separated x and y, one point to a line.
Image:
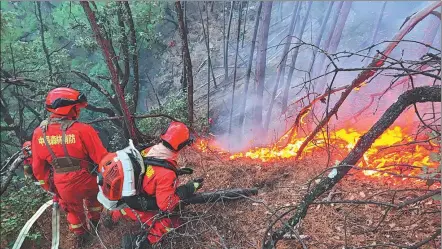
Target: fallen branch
10	173
416	95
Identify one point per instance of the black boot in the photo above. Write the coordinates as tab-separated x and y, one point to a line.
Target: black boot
129	242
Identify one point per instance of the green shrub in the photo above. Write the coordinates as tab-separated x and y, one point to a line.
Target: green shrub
174	106
17	207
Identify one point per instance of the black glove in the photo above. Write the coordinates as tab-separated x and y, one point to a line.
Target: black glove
187	190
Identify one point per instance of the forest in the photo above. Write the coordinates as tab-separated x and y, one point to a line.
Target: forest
315	124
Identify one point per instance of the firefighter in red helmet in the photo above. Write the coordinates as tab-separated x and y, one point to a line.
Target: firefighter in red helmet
66	148
158	186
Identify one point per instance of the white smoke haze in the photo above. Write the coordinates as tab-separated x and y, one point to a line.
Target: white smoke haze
356	35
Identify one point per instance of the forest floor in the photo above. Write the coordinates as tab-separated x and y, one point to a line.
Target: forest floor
242	224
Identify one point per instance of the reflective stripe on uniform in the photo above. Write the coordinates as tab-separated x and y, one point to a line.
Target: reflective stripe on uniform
123	212
95	209
74	226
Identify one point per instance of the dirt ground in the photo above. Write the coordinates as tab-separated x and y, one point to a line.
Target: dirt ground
242	224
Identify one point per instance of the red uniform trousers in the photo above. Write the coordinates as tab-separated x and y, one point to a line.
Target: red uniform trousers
156	228
79	200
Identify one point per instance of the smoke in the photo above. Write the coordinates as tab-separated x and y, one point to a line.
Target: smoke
356	35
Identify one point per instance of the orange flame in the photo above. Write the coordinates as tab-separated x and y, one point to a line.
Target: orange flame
391	152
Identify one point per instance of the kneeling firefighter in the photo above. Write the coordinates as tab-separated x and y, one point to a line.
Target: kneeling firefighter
144	186
66	148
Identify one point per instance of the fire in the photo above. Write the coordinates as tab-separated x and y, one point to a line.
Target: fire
394	151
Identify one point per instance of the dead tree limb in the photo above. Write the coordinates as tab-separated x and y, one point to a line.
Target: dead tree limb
10	173
410	97
378	61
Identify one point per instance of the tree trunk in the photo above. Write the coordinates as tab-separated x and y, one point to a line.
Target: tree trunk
281	65
249	68
226	48
238	31
43	43
321	34
335	39
187	62
294	58
124	47
209	64
134	52
416	95
105	49
245	22
261	58
363	76
321	57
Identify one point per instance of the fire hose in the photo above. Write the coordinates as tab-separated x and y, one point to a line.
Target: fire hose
200	198
24	231
55	224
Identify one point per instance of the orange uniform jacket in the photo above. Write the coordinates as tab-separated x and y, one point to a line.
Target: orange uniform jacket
82	142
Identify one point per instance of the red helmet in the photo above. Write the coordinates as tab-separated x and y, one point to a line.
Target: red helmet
26	148
176	136
61	100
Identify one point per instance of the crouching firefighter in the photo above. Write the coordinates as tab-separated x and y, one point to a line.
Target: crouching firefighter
144	186
66	148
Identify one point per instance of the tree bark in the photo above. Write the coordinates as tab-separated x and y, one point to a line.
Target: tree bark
238	31
43	43
249	68
416	95
124	47
378	61
105	49
294	58
226	48
281	65
261	58
134	52
187	62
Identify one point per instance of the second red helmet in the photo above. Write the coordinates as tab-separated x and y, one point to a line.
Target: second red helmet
176	136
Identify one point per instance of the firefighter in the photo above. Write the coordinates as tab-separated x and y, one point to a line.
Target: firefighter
66	148
27	163
159	188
